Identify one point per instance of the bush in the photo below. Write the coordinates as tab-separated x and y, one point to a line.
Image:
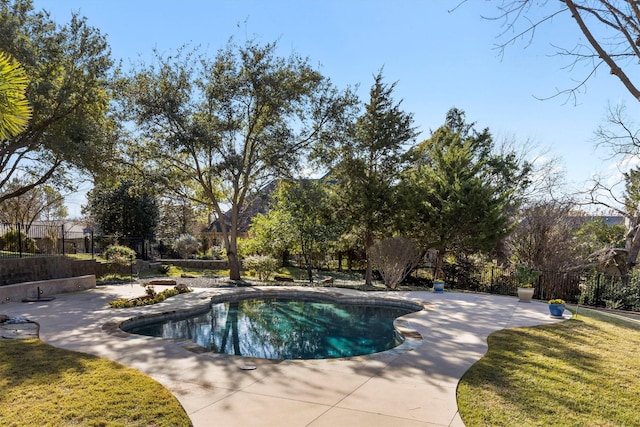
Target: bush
214	252
118	254
186	245
164	268
395	258
11	241
261	266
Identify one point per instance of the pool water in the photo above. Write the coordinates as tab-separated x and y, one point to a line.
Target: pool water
286	329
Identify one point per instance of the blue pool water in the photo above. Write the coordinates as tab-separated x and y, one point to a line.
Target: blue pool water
286	329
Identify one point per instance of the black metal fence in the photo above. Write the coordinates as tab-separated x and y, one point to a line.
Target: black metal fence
588	287
18	240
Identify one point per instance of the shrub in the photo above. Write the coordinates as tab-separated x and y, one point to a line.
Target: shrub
186	245
120	303
11	241
395	257
164	268
261	266
118	254
214	252
526	276
149	290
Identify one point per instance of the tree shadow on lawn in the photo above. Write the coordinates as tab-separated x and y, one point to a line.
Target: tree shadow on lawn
551	371
32	361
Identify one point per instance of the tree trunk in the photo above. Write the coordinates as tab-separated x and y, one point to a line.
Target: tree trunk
438	274
234	265
309	272
633	244
232	256
232	244
368	277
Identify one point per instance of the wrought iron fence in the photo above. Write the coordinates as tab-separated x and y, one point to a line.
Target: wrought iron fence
18	240
588	287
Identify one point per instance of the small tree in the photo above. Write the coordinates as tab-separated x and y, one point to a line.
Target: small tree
118	255
272	234
395	258
262	265
544	237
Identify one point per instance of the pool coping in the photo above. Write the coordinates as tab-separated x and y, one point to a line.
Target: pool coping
411	338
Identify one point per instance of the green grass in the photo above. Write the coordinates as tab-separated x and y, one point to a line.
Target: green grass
176	271
85	256
46	386
581	372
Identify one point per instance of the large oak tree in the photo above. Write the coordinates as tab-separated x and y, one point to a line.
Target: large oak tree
228	125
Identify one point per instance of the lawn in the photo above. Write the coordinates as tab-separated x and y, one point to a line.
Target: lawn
47	386
581	372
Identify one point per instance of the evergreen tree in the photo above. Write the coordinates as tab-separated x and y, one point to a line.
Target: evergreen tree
461	196
369	166
124	210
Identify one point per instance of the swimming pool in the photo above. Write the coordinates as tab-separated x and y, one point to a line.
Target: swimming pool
286	328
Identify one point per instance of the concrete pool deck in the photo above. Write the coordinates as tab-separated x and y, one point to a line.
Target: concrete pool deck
415	387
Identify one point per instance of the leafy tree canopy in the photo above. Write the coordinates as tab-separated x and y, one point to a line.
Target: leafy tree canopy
228	125
124	210
67	67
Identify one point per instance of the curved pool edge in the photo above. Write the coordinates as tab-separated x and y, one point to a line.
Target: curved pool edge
411	337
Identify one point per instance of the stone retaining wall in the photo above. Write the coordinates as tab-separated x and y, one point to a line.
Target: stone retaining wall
214	264
31	269
20	291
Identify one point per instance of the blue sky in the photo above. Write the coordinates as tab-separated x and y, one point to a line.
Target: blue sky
439	58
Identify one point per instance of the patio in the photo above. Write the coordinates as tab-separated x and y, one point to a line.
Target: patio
410	387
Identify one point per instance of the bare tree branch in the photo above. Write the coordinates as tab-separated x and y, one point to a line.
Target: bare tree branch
612	29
